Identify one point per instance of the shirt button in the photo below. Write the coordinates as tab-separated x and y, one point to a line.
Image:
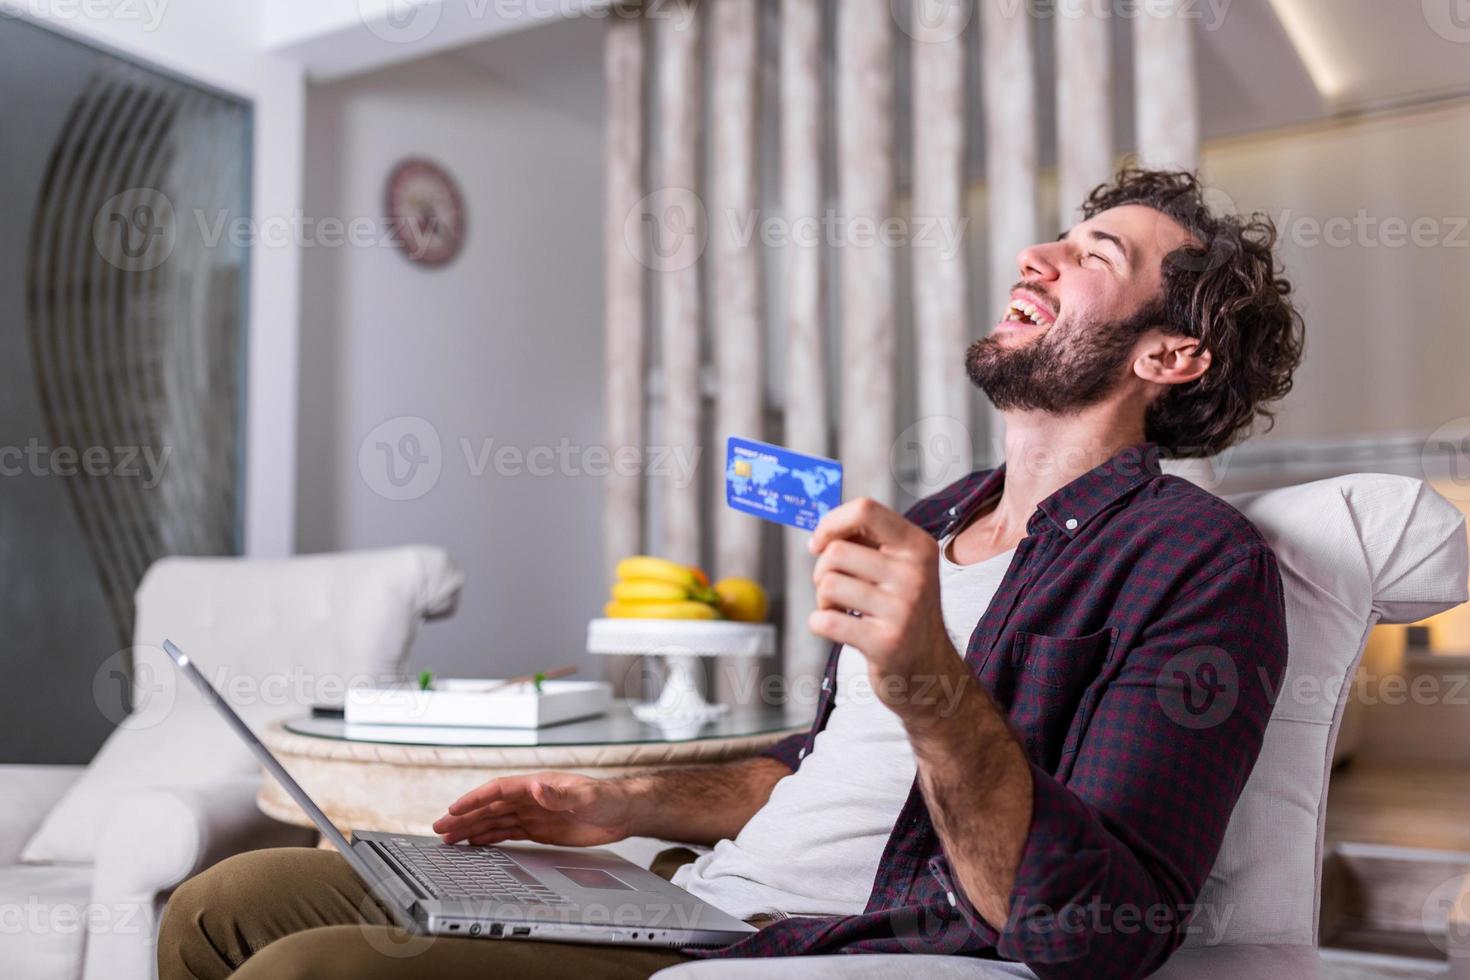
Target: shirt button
826	683
801	753
1071	524
950	896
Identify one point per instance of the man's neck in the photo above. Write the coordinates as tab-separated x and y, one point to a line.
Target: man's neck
1044	453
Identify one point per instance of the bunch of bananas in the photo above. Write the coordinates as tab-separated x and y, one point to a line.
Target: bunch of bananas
656	588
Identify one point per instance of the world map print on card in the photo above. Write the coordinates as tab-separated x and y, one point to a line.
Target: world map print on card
780	484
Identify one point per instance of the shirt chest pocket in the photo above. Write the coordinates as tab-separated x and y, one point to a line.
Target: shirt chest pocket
1049	675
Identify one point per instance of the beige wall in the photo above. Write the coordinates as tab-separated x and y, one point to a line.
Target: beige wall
504	344
1388	335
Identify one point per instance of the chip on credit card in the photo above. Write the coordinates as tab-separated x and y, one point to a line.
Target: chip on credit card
780	484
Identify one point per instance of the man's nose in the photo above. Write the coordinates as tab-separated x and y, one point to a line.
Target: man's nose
1039	261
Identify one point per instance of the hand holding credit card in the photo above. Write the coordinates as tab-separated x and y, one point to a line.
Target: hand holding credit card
780	484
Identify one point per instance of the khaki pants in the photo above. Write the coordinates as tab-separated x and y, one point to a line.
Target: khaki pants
301	913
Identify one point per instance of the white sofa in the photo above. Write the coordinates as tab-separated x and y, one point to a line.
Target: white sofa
1354	551
88	855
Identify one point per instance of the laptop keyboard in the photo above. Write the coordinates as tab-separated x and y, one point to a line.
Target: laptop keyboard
470	873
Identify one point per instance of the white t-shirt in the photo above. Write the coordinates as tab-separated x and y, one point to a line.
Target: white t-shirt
814	848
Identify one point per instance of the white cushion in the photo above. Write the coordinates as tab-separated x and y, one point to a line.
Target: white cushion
46	915
27	794
1353	551
273	636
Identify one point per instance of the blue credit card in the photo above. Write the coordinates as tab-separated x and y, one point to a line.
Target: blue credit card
780	484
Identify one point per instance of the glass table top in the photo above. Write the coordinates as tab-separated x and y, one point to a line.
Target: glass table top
617	727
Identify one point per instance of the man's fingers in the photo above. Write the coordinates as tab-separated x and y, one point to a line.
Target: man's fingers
511	789
843	592
498	835
858	560
507	788
494	807
500	809
456	821
476	828
863	519
838	627
476	798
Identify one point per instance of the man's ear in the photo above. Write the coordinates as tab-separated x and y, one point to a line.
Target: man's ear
1169	359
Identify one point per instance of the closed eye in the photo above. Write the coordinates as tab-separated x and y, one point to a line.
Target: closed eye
1099	256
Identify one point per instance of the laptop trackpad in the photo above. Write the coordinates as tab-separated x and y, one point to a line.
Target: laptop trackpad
594	878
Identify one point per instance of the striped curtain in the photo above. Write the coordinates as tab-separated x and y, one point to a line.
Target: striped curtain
807	222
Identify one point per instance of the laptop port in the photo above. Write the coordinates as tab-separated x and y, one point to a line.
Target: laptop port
497	929
474	929
454	927
521	931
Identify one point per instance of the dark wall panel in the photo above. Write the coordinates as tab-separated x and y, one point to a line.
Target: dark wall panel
122	291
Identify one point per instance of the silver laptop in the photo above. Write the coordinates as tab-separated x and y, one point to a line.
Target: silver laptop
558	894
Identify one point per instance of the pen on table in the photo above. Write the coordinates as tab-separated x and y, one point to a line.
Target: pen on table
545	675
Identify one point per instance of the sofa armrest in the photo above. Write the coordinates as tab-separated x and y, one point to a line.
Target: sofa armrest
154	841
27	794
158	838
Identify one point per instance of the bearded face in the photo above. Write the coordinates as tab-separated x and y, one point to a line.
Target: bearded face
1043	358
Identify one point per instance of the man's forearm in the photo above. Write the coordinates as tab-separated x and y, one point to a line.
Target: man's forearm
701	804
976	781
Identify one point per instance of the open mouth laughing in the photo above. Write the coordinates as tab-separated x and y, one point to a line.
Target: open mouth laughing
1026	309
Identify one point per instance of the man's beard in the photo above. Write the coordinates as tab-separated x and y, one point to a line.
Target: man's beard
1060	372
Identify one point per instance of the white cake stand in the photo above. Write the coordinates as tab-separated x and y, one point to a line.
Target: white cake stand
681	642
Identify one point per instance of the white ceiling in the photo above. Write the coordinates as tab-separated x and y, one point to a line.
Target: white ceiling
1367	53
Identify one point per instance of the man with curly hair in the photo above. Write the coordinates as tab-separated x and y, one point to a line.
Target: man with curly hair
1048	684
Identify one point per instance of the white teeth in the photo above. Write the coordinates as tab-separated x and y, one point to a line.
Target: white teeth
1022	311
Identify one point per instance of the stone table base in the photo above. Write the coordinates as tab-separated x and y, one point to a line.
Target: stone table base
405	788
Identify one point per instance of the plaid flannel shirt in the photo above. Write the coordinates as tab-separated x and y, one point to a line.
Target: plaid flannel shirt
1134	644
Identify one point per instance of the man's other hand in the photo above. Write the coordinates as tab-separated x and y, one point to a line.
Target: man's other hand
547	807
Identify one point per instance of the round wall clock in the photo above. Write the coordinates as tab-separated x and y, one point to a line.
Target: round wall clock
427	212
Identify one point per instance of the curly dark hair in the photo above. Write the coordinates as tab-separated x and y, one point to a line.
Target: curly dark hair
1225	290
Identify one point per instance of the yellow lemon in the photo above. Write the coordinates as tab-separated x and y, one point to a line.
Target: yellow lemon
742	599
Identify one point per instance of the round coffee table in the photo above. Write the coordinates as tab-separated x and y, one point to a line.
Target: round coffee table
400	779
